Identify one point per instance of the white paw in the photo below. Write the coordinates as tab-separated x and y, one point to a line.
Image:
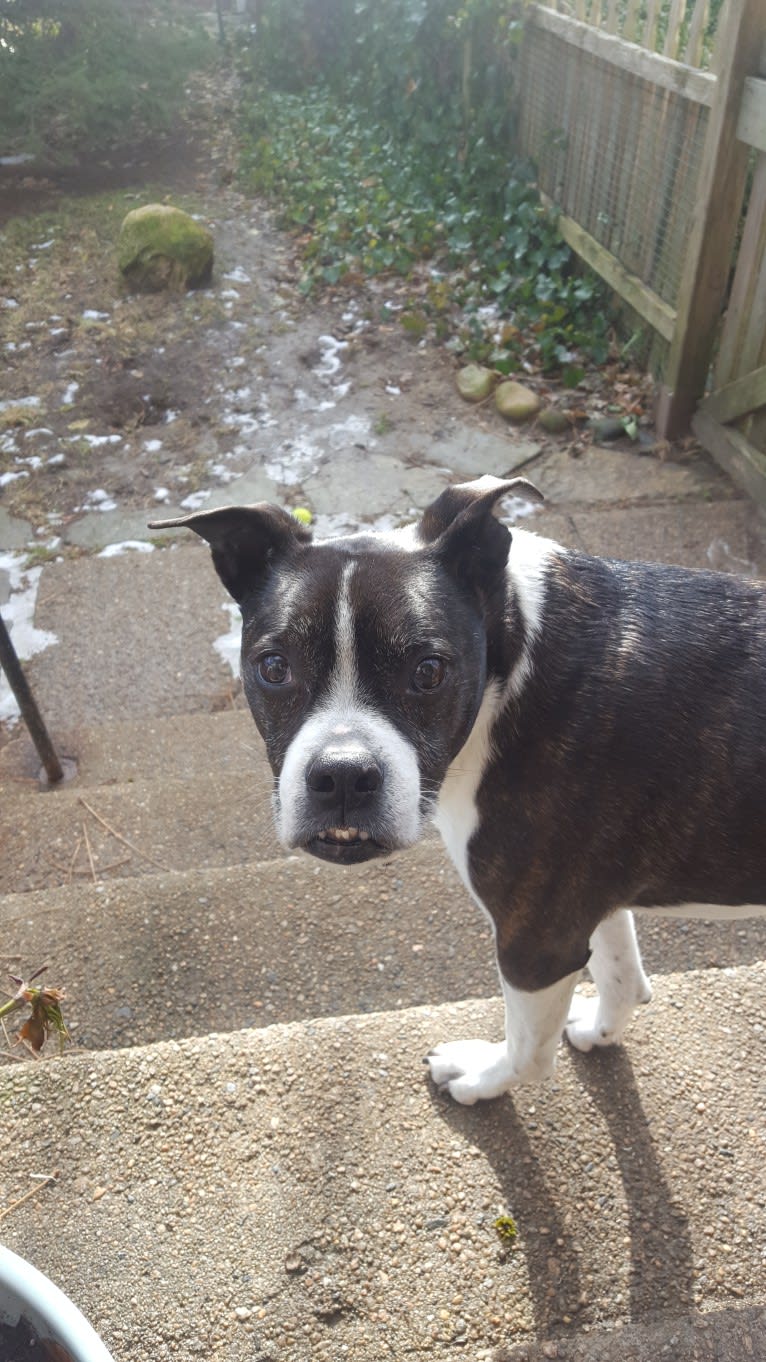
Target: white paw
471	1070
585	1029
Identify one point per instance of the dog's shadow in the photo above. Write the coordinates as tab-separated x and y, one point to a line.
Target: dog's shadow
660	1248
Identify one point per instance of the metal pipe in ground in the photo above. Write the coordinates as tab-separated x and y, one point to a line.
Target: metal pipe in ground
28	706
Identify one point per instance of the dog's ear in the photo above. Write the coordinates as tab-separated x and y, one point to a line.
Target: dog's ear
468	539
245	540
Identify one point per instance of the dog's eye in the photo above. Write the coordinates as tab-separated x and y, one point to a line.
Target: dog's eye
428	674
274	669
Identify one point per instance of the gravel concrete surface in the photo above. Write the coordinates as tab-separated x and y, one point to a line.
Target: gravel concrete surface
166	956
303	1192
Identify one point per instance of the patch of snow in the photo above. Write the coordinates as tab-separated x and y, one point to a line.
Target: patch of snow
220	471
20	159
237	275
95	441
35	431
151	446
171	416
43	245
295	460
330	350
98	500
237	362
5	478
721	559
195	500
18	614
517	508
354	430
57	458
229	293
341	389
392	390
161	494
228	645
9	302
69	393
20	402
90	315
126	546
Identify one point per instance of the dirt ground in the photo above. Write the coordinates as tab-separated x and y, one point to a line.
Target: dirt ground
117	402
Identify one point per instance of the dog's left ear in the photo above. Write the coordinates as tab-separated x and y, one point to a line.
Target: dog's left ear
245	540
468	539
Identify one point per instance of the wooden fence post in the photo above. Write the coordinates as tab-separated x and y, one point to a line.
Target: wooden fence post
711	240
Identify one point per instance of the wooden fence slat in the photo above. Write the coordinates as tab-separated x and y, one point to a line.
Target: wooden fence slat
744	395
751	127
652	308
675	20
650	30
697	26
711	239
630	26
744	333
650	66
745	464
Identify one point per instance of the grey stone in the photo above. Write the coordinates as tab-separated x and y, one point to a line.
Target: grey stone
14	533
608	428
554	420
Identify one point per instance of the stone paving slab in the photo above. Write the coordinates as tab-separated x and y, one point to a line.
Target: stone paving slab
604	476
135	637
167	823
166	956
715	1336
185	747
302	1192
725	536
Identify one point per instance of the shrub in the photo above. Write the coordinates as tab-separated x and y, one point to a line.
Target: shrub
79	76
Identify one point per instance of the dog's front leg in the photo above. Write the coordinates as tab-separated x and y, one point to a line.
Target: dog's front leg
617	972
534	1020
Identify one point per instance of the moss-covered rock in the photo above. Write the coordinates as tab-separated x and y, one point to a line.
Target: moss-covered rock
161	247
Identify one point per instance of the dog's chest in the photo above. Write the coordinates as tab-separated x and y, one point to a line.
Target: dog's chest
457	813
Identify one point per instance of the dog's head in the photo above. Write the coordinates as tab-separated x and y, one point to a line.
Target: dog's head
365	659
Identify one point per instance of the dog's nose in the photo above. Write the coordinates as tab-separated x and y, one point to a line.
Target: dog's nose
343	780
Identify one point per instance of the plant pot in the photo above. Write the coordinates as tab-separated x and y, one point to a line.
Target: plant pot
26	1294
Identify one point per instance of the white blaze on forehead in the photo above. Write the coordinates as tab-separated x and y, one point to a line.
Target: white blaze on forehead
344	683
342	716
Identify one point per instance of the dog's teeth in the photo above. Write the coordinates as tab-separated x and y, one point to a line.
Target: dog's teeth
352	832
364	836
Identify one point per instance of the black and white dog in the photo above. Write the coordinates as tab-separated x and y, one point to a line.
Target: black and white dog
589	736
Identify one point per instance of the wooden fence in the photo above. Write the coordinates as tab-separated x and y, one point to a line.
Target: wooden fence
640	118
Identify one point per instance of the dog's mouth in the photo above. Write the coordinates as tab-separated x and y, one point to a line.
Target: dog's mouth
346	846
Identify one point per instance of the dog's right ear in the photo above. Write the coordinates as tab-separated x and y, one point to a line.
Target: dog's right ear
245	540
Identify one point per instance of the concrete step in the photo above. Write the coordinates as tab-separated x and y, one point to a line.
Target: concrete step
165	824
135	635
302	1192
185	747
166	956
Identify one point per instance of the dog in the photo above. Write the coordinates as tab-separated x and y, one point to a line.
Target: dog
588	735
